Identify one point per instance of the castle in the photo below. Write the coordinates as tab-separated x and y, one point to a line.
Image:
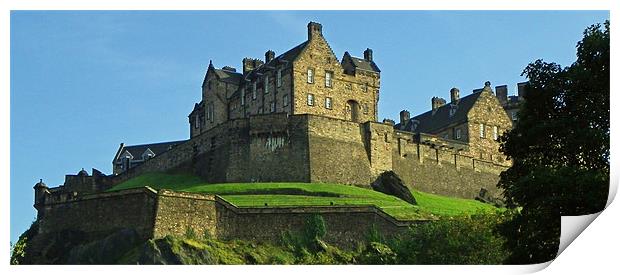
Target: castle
301	116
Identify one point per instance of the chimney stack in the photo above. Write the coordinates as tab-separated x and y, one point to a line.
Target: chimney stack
454	95
250	64
314	29
437	102
404	117
521	89
269	55
502	94
368	54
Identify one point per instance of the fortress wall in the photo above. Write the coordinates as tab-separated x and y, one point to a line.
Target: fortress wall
337	151
103	212
346	226
461	178
277	150
177	213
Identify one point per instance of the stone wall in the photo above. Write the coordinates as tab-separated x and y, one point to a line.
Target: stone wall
443	171
101	213
157	214
346	225
178	213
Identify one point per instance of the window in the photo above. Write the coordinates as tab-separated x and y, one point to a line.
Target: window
310	100
457	134
365	108
328	79
209	84
310	76
328	102
254	91
285	100
494	132
272	107
365	87
208	107
266	84
481	130
279	78
242	97
196	123
260	110
514	116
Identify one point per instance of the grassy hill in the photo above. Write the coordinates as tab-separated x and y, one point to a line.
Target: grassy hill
311	194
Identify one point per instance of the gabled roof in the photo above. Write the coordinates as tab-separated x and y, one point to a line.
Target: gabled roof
432	121
157	148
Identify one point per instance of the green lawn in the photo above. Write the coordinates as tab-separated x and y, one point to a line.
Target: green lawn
311	194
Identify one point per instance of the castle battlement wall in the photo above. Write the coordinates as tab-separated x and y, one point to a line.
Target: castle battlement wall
308	148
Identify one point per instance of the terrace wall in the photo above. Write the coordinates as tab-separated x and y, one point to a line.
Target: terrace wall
157	214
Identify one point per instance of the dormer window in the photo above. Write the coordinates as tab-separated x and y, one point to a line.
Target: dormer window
310	76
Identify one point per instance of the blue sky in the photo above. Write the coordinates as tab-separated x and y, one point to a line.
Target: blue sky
84	81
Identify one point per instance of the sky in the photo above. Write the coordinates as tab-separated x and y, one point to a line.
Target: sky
82	82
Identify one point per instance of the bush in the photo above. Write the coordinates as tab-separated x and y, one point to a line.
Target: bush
459	240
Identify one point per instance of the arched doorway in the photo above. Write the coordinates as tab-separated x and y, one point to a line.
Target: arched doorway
352	111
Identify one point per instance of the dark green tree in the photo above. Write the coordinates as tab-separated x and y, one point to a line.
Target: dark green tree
559	148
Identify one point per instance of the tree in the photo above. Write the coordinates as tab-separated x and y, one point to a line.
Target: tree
559	148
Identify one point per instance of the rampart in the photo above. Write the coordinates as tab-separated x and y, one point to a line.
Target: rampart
157	214
307	148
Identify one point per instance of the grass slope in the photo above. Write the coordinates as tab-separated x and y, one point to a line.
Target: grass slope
311	194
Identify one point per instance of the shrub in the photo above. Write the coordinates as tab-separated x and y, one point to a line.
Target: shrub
458	240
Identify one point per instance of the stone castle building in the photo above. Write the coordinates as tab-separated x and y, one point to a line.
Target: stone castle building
307	79
301	116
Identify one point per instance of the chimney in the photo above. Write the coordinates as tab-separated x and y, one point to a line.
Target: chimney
437	102
454	95
368	54
502	94
404	117
521	89
248	65
314	29
269	55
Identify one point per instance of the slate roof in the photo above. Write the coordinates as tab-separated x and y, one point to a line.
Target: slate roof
157	148
430	122
228	76
363	64
289	56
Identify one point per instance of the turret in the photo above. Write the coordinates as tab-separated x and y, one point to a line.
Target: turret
40	191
